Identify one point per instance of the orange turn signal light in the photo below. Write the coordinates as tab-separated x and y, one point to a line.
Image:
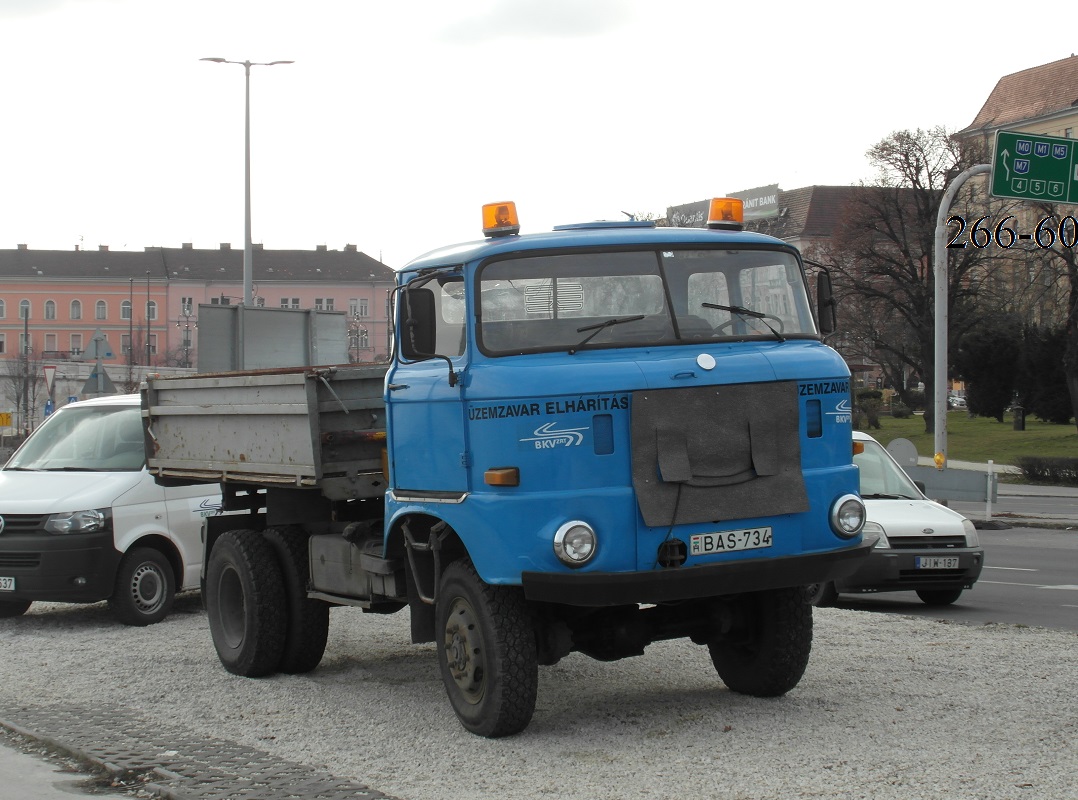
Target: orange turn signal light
500	219
858	448
726	212
502	476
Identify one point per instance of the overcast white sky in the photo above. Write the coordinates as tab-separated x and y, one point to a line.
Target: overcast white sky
400	118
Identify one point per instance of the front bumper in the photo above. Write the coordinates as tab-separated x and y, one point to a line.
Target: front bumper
888	570
597	589
49	567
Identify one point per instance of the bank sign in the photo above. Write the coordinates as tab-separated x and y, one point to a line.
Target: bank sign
1028	166
759	203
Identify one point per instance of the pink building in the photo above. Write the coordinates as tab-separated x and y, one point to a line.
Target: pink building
143	306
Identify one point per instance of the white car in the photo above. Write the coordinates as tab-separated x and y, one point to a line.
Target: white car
922	546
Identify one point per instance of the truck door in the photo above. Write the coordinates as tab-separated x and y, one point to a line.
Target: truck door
427	443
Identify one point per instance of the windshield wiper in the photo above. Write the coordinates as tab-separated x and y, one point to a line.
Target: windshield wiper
741	311
886	497
599	327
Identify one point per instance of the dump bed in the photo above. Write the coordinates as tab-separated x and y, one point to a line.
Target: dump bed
321	427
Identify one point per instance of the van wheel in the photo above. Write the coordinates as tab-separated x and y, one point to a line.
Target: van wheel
821	594
14	608
767	652
486	652
308	620
938	597
145	587
245	603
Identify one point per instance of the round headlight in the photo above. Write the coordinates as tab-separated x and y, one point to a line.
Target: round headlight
575	543
848	516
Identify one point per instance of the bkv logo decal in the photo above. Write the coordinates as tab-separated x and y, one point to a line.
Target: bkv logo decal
842	412
546	437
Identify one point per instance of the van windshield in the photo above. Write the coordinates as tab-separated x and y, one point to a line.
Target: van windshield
881	477
85	439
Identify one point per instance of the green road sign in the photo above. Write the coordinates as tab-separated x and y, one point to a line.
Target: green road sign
1029	166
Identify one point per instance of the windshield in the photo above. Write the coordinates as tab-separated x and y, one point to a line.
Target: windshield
640	298
85	438
881	476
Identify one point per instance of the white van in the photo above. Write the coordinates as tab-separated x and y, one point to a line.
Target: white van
920	545
82	520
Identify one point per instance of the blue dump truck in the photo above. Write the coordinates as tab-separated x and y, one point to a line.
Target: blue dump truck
587	440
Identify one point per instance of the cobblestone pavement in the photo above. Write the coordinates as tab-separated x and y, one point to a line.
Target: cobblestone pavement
172	764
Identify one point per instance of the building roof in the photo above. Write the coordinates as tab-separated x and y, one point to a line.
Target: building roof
1028	95
811	211
187	263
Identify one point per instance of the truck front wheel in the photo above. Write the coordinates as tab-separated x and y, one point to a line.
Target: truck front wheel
245	603
767	652
486	652
145	587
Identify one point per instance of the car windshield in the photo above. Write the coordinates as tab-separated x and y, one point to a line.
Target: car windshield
85	438
881	476
593	300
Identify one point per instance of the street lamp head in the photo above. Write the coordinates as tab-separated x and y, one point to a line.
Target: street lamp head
218	60
270	64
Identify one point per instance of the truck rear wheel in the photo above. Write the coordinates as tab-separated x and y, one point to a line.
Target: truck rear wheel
486	652
145	587
767	653
14	608
308	620
245	603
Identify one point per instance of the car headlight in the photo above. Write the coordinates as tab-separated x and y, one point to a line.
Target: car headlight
875	529
847	516
575	543
972	539
89	521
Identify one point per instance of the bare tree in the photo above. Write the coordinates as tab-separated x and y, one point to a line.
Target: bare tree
882	255
22	377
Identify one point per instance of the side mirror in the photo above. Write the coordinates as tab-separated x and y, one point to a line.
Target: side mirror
417	324
825	303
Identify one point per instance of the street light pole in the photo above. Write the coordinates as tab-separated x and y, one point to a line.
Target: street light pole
25	370
148	327
247	254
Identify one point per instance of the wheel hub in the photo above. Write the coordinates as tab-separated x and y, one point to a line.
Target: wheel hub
147	588
463	651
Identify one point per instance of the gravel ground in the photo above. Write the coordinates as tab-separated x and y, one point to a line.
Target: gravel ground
890	707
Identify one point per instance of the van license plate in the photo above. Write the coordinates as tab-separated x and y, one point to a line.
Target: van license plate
728	541
7	584
937	562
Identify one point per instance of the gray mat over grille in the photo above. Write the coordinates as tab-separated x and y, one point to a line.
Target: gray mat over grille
730	451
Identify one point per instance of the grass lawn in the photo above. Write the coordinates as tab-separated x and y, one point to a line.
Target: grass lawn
980	439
